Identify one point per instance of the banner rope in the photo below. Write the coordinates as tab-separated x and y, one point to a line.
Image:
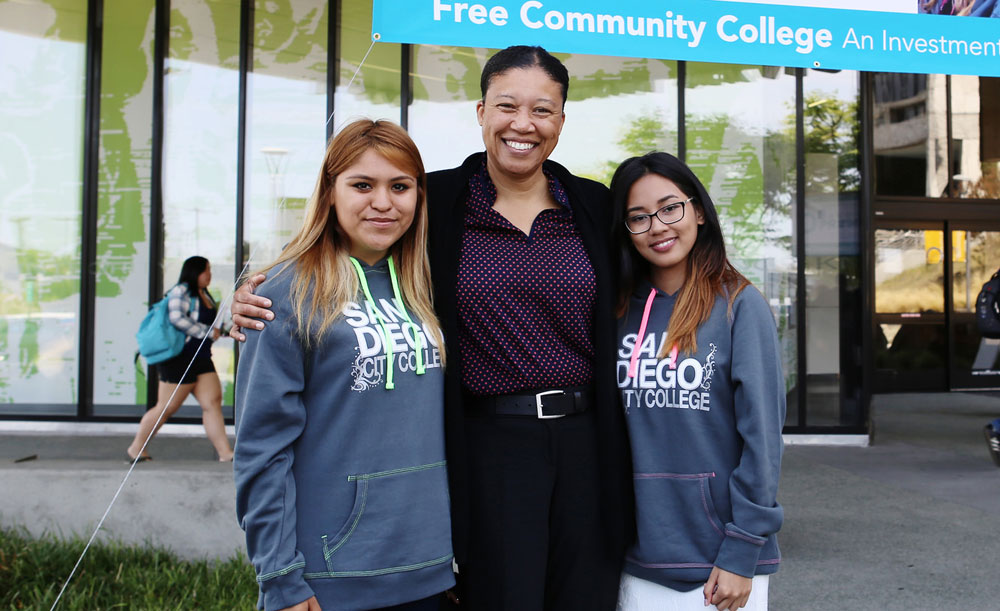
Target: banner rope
375	38
152	432
222	308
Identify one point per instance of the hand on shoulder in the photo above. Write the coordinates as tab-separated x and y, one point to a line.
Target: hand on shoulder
248	309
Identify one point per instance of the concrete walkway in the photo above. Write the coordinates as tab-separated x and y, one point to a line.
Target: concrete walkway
907	523
183	499
904	524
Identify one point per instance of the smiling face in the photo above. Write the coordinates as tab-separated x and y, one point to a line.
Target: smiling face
521	115
375	202
666	247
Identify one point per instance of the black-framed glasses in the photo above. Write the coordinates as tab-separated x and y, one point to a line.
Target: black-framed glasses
668	215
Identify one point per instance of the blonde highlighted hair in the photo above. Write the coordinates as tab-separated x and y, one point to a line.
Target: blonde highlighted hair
325	280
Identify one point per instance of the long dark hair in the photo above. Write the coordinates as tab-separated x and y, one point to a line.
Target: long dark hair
709	272
192	268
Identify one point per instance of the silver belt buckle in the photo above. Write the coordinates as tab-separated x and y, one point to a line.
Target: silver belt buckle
538	404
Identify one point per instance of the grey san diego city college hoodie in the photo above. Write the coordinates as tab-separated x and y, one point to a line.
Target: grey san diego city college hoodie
706	441
340	481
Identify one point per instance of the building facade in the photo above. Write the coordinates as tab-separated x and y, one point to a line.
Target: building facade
136	133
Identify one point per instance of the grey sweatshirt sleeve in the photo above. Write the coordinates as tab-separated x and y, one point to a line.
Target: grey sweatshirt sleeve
272	416
178	313
759	399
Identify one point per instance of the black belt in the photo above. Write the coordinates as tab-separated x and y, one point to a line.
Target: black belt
546	404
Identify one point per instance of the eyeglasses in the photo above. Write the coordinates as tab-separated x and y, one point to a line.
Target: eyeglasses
668	215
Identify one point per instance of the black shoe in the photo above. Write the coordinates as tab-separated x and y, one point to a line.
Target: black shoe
146	457
993	442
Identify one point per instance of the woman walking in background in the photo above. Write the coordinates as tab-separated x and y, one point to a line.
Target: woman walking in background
192	309
699	372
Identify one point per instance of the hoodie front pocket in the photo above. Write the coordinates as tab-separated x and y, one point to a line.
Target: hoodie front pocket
677	522
400	522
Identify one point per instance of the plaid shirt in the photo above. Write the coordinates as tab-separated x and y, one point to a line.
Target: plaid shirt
183	312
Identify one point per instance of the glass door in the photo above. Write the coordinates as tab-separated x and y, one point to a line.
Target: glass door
910	336
975	257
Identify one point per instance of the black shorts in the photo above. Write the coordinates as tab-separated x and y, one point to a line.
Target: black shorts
172	370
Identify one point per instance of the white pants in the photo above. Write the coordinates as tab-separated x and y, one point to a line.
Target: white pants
637	594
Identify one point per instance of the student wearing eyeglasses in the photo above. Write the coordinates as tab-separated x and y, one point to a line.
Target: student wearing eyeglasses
699	372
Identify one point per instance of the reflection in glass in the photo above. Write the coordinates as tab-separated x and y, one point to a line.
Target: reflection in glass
42	64
201	118
442	116
286	114
745	155
909	271
975	112
975	258
375	90
125	143
911	134
911	349
833	248
618	108
975	359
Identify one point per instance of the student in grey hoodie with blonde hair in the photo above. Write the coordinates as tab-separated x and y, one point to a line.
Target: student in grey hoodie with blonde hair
340	462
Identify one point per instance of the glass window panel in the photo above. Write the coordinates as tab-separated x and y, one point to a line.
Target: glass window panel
286	115
975	258
832	256
374	91
911	134
442	117
617	108
744	153
125	142
975	359
975	112
966	143
912	353
909	267
201	123
42	78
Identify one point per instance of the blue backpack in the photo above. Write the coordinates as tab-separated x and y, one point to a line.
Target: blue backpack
158	339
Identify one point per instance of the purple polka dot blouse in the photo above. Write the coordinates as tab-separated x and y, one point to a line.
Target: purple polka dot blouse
525	302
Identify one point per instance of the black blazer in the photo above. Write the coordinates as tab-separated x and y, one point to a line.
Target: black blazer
447	193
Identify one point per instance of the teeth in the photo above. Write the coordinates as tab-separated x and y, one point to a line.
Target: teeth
520	146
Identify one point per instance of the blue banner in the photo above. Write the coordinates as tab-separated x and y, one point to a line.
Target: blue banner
704	31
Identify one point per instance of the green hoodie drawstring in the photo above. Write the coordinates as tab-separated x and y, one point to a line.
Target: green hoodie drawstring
418	345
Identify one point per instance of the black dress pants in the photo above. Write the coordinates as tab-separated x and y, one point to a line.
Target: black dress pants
535	541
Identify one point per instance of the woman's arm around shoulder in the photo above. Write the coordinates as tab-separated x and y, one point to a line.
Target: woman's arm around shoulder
249	311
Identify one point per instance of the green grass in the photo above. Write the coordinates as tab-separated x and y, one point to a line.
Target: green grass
116	576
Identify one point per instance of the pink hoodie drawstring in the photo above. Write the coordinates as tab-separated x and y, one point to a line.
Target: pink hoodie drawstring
633	366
